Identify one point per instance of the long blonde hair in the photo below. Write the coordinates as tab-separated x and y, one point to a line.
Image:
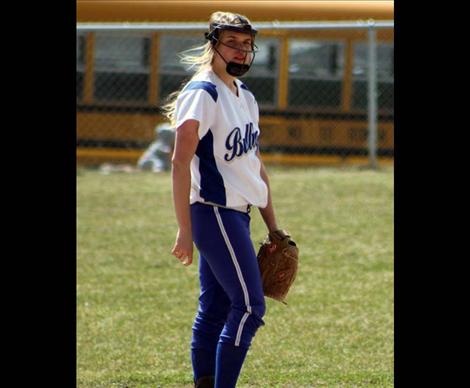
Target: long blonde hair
200	62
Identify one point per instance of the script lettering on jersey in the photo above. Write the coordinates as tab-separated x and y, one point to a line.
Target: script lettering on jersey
238	145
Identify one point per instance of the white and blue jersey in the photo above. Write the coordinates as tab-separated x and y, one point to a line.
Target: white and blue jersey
225	169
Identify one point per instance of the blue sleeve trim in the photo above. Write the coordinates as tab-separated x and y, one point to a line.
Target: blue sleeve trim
209	87
243	86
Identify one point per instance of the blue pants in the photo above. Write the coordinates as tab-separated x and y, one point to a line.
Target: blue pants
231	301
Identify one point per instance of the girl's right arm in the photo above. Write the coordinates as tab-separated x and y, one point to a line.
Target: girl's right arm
186	141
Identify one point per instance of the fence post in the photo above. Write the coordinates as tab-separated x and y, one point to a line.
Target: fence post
372	95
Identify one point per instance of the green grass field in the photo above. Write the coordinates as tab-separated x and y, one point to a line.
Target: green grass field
136	302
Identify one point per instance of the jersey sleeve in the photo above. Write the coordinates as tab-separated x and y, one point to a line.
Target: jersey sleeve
196	104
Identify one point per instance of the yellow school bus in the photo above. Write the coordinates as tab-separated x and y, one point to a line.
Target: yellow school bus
310	83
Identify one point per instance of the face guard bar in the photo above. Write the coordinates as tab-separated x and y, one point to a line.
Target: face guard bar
254	47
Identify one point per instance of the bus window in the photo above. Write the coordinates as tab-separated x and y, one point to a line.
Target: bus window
262	79
172	72
81	41
385	74
121	66
315	73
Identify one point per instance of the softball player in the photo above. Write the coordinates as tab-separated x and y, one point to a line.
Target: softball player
217	176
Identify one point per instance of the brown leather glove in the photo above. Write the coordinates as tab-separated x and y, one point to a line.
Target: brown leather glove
278	259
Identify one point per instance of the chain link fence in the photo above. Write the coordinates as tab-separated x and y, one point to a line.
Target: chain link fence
319	100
